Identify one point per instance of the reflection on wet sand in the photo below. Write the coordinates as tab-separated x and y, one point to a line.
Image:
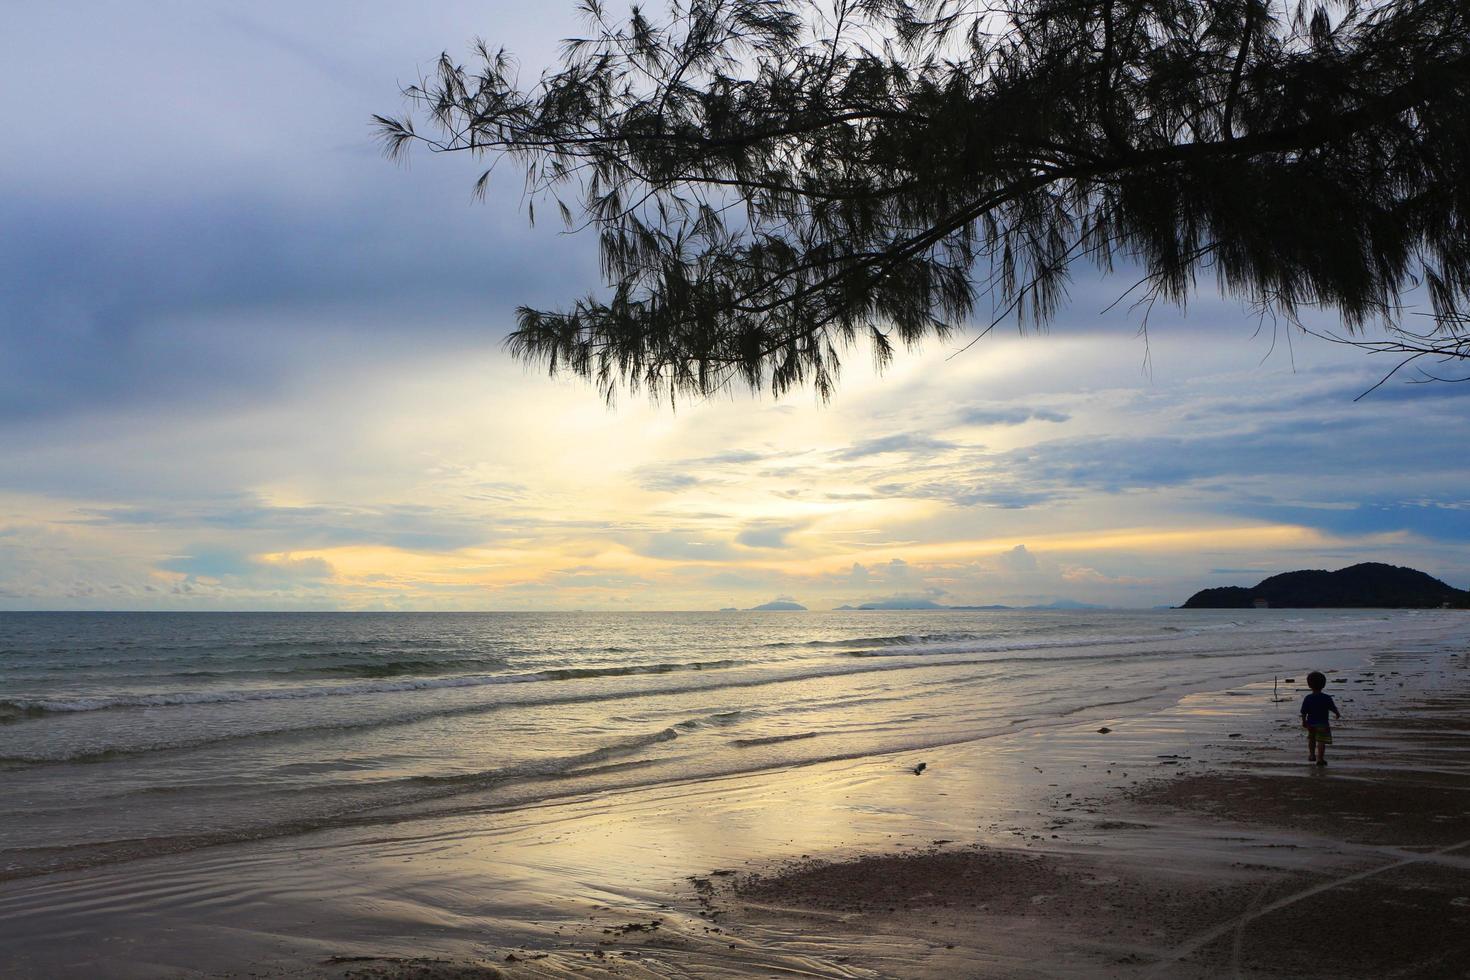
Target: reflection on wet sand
1114	849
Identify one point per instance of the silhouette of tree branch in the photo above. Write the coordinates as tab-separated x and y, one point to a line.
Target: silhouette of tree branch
1447	344
772	180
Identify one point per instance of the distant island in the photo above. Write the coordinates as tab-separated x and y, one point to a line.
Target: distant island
929	604
1370	585
780	605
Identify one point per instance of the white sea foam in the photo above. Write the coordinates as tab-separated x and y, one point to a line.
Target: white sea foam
47	706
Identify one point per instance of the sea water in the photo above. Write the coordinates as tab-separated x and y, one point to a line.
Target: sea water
124	735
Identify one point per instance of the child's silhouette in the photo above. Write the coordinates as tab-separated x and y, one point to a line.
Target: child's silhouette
1315	707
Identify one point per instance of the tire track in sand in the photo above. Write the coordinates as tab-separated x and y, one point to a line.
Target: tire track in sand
1239	923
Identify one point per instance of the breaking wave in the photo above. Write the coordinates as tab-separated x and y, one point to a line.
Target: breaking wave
16	710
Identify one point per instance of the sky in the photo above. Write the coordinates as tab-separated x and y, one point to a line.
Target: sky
248	363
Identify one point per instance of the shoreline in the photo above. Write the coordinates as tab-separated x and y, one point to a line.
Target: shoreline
615	887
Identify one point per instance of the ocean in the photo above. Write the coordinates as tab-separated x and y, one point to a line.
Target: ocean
126	735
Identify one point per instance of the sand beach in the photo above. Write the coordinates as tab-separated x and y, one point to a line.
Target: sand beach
1259	865
1183	836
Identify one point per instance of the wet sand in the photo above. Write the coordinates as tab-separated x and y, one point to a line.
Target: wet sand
1188	841
1358	870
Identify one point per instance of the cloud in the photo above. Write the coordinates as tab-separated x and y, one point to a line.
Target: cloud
1319	445
673	476
1018	559
658	480
238	568
769	534
1345	516
414	527
893	581
682	546
1084	574
747	582
991	415
498	492
735	457
1333	460
982	491
906	443
592	577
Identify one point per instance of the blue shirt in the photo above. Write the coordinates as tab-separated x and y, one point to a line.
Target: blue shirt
1315	707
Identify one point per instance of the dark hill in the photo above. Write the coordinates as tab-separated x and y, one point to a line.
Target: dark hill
1371	585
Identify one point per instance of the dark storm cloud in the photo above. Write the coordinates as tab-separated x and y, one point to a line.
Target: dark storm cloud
212	170
148	304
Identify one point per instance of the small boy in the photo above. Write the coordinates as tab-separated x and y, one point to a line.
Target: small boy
1314	718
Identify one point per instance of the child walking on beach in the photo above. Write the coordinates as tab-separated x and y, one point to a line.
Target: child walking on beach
1314	718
